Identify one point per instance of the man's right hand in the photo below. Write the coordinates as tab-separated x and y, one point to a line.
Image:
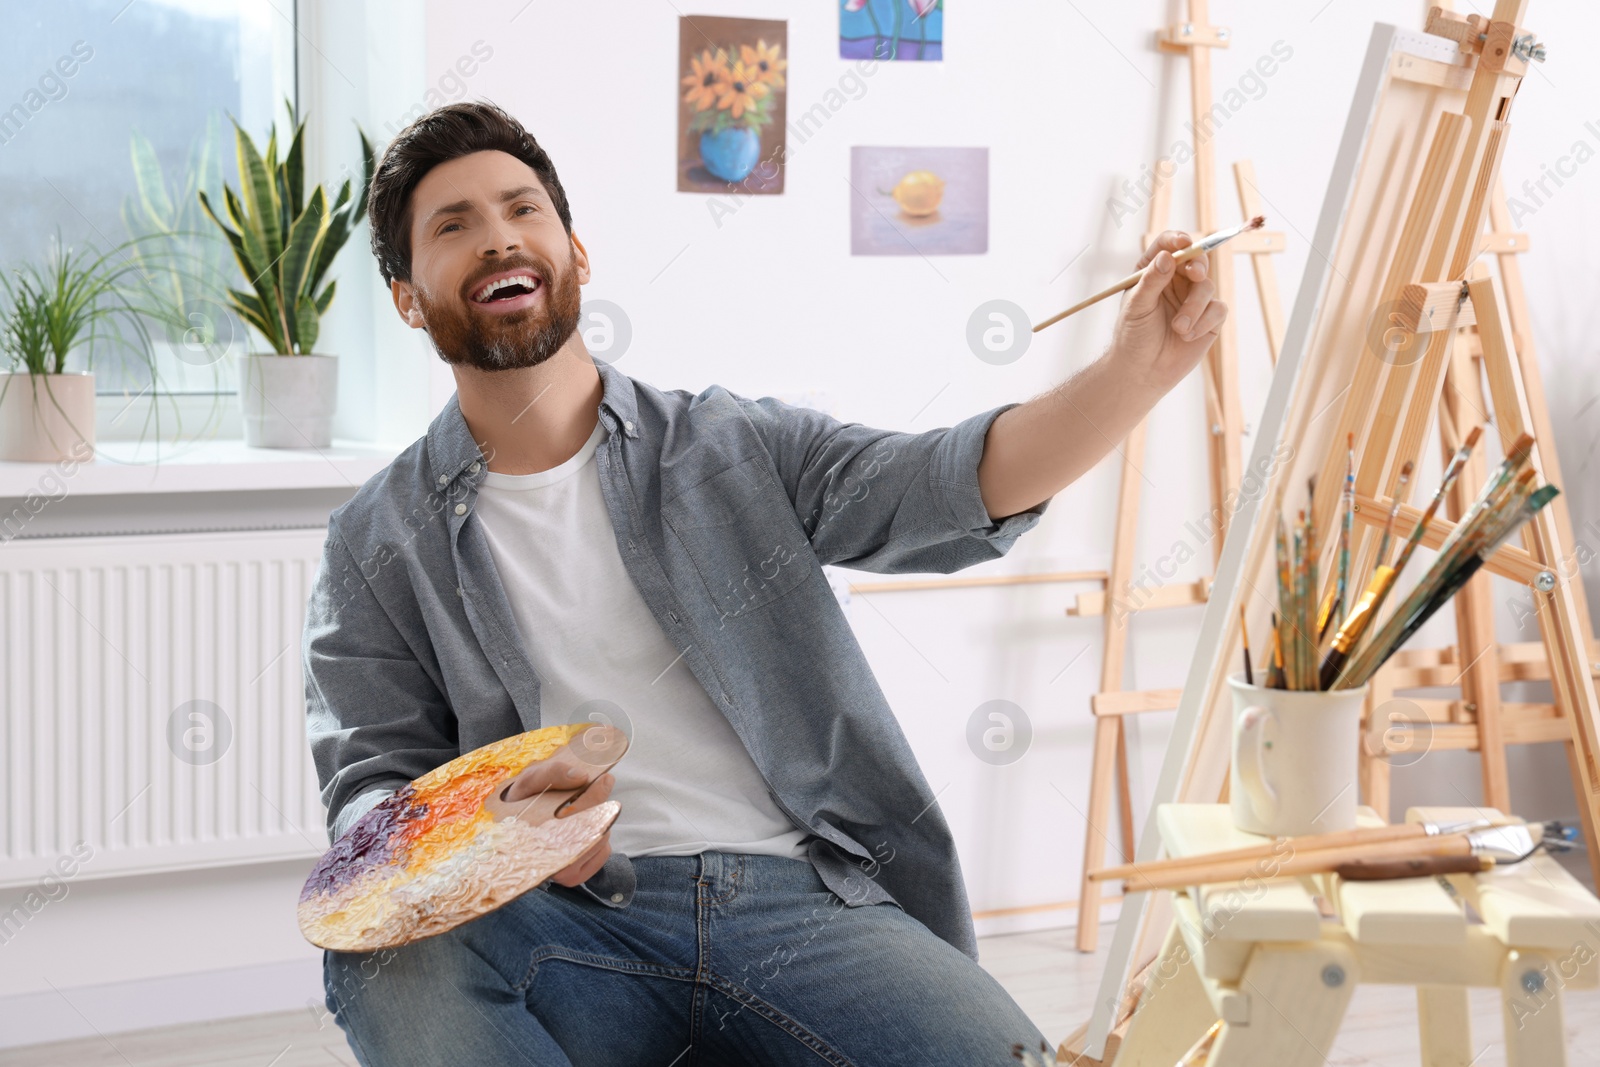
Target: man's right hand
570	768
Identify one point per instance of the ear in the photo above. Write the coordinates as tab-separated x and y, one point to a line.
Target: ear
580	259
405	302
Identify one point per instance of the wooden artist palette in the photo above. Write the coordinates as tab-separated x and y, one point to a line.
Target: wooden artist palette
448	847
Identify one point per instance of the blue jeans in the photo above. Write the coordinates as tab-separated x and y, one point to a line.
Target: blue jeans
720	958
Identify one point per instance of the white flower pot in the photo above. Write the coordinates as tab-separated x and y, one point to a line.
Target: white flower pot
46	418
288	401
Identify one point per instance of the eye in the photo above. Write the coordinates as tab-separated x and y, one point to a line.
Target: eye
446	227
525	207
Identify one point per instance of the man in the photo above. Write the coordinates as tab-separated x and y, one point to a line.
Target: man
569	544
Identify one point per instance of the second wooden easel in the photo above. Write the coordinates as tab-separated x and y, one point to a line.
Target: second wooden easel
1115	603
1403	223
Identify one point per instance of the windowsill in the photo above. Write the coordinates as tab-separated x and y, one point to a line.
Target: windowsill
209	466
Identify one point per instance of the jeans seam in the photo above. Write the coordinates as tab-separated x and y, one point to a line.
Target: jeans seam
590	959
733	882
775	1015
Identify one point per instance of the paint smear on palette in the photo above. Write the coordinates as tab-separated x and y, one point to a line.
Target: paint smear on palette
430	857
919	201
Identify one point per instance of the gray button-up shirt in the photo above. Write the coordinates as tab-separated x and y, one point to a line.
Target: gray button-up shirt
723	509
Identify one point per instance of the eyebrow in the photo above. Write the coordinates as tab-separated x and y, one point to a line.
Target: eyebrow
464	205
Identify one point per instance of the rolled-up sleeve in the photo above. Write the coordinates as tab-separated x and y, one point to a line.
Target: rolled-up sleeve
374	718
887	501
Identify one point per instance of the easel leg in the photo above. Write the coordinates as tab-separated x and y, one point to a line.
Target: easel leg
1117	614
1107	731
1444	1018
1535	1035
1172	1013
1298	994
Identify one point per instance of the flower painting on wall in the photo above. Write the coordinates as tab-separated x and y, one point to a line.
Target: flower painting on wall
731	124
891	29
919	201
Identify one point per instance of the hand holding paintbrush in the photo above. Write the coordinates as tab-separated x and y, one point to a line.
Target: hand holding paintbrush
1199	248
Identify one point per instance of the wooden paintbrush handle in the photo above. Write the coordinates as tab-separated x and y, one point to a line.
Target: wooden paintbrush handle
1304	861
1384	870
1369	835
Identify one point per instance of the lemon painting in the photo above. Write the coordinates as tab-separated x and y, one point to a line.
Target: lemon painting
919	201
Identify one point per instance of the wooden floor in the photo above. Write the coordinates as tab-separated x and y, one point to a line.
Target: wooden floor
1054	983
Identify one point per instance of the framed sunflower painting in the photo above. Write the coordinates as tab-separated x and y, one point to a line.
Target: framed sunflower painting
731	104
891	29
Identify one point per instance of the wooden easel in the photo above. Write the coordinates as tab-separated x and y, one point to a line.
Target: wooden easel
1408	196
1480	720
1108	776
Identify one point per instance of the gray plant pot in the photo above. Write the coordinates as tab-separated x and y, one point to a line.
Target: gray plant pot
288	401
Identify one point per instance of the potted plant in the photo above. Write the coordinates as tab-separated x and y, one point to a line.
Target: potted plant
732	100
284	243
77	302
189	266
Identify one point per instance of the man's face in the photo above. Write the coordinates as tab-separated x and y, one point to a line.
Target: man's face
494	274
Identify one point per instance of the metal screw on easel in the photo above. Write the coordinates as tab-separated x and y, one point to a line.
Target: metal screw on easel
1222	33
1532	981
1526	47
1333	976
1545	581
1188	29
1216	429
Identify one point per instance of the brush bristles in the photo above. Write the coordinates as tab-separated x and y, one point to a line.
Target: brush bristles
1257	222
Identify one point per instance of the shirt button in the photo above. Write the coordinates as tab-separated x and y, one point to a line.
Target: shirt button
616	898
474	467
461	509
443	479
628	426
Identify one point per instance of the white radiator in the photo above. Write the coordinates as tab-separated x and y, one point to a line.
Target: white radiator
152	708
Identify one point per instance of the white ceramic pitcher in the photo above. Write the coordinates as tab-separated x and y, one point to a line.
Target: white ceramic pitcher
1294	759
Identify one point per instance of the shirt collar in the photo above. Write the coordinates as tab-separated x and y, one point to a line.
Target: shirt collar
451	448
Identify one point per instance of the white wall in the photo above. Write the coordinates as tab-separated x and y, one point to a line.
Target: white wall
1071	100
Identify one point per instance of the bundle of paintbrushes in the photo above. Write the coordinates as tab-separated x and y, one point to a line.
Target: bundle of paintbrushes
1302	655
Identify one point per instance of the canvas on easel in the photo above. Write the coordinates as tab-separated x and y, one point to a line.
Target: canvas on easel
1403	218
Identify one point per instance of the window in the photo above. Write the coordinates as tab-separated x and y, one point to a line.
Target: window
111	114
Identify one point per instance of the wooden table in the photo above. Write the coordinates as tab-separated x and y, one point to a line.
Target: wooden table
1276	959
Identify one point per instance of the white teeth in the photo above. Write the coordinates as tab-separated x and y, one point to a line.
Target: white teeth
526	280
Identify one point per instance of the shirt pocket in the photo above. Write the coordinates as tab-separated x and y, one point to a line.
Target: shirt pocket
742	536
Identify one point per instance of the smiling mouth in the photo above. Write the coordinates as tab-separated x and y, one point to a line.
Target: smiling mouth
509	288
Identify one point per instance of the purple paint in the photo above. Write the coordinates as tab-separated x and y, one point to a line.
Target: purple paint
367	845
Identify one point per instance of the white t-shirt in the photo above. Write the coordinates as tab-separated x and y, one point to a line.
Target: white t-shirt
687	783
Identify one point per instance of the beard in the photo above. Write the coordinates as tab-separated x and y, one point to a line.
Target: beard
523	338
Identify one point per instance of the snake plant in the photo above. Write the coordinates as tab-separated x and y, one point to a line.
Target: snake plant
283	241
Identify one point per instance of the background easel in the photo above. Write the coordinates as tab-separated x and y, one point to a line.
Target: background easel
1480	720
1404	214
1193	37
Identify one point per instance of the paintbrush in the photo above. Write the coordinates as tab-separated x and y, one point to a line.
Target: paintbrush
1285	607
1341	601
1394	510
1244	638
1182	256
1366	606
1452	584
1275	669
1453	469
1502	506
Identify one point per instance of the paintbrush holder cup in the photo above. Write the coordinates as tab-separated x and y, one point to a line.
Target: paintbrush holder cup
1294	759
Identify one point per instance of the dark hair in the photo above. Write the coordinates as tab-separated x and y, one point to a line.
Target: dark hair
443	134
